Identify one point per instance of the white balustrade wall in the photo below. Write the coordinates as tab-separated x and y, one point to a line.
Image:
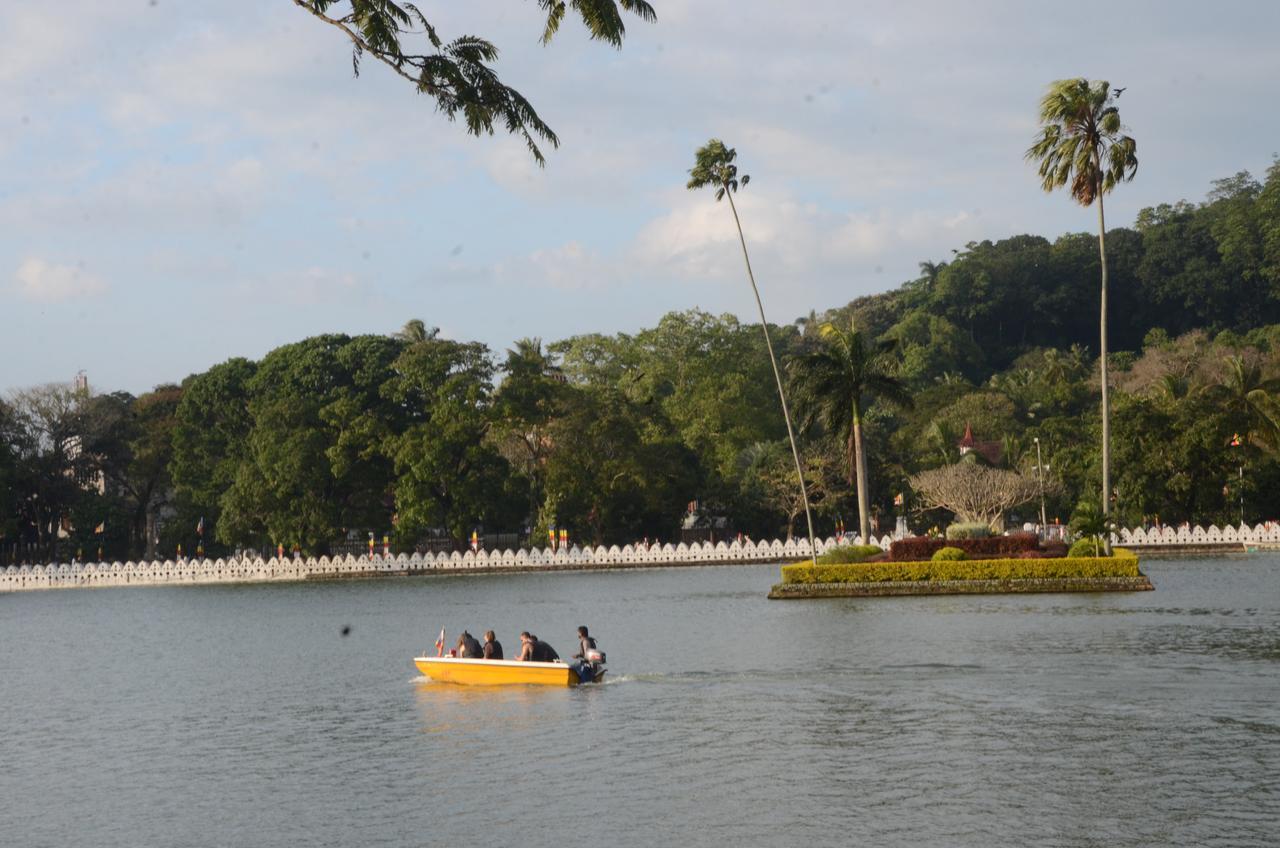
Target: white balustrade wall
257	569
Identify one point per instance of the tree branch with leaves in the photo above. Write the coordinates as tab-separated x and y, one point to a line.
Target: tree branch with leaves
457	73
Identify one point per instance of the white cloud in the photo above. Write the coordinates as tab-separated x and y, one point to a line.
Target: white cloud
314	286
43	281
697	238
571	267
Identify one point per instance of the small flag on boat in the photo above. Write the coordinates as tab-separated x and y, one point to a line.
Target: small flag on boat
440	644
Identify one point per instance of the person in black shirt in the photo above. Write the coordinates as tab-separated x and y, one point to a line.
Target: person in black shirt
585	643
492	647
469	646
534	649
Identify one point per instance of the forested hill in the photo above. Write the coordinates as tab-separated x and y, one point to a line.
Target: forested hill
1212	266
415	436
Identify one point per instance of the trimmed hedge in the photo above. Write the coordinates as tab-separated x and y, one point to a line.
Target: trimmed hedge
922	547
1123	564
948	554
1087	546
849	553
968	530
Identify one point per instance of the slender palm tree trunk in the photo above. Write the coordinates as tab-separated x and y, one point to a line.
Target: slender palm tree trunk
1106	394
864	518
777	376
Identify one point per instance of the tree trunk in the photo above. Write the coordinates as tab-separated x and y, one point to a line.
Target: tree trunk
777	376
1106	394
851	459
860	459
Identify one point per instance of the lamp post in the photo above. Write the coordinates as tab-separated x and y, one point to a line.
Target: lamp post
1237	444
1044	522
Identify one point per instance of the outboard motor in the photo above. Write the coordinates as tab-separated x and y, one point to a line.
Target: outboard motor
591	668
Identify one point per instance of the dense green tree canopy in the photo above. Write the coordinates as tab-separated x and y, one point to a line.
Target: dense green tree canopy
612	436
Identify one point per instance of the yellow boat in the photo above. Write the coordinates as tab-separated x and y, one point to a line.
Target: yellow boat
497	672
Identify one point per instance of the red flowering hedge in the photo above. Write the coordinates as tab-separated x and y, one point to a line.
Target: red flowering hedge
919	548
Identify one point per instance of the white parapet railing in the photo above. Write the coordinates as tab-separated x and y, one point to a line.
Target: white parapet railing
259	570
1262	534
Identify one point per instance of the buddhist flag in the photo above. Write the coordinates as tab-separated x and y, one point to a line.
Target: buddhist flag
440	644
98	531
200	526
898	499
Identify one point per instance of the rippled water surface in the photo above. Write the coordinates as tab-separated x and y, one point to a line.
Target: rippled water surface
225	716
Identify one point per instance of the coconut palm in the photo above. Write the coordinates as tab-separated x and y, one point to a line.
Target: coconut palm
836	384
1082	143
714	166
415	330
1245	391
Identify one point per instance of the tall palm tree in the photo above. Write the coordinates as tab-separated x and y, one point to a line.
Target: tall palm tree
714	166
837	384
1082	143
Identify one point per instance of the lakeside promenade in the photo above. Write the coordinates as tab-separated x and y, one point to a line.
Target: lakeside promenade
186	572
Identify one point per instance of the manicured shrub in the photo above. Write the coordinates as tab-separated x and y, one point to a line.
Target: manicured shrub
1033	555
914	548
1123	564
1054	548
882	556
922	548
948	554
1087	547
968	530
849	553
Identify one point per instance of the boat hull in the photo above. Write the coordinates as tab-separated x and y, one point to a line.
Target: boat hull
471	672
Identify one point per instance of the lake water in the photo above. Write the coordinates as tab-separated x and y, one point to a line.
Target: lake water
228	716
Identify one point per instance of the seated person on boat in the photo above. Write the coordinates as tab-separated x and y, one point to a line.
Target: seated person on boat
534	649
492	647
469	646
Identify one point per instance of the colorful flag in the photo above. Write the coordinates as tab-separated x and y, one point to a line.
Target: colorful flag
898	499
440	644
200	526
100	528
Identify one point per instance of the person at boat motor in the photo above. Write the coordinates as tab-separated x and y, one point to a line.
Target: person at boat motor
589	658
534	649
469	646
492	647
585	643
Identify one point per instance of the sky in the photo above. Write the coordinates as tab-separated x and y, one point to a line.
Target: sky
182	183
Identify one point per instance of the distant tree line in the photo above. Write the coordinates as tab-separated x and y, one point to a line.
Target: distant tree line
612	435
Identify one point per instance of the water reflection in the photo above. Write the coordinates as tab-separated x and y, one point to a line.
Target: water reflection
453	708
241	717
